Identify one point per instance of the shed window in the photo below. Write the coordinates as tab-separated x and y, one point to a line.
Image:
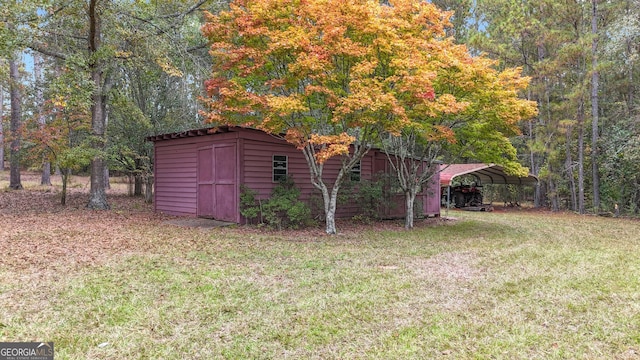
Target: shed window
355	172
279	167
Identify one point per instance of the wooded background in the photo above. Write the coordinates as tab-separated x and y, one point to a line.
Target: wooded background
82	83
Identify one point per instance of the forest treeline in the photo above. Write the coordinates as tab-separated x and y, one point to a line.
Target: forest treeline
83	82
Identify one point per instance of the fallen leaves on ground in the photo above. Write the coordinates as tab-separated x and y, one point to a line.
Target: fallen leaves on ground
37	231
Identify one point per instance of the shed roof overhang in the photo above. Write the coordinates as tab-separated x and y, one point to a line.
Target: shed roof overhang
189	133
484	173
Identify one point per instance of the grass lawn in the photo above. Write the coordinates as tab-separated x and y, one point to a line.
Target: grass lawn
124	284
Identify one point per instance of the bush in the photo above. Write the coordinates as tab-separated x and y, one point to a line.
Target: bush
249	206
370	196
282	210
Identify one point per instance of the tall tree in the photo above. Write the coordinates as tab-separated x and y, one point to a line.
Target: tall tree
553	41
93	37
101	82
38	64
333	75
307	70
595	78
16	121
619	131
580	119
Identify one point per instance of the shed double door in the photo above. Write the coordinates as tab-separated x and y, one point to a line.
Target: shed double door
216	177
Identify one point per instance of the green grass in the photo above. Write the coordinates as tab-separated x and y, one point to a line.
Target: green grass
488	286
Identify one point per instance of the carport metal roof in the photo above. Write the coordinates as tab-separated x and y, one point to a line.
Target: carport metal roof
484	173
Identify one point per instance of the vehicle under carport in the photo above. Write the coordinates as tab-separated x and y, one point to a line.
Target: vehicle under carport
469	197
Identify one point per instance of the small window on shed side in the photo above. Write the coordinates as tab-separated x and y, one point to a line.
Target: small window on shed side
279	167
356	172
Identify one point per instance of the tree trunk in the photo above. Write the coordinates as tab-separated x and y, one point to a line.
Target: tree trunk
1	128
137	187
97	195
553	190
410	198
37	74
331	207
148	191
534	170
569	167
330	201
630	82
595	78
107	181
46	173
65	173
330	218
636	197
581	208
16	115
130	185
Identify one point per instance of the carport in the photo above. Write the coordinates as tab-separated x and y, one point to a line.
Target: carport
483	173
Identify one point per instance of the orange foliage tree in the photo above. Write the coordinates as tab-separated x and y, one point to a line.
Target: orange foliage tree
334	75
484	112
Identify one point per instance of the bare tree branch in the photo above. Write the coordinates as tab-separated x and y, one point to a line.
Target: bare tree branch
44	50
190	10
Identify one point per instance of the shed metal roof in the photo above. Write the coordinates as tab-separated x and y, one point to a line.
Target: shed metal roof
484	173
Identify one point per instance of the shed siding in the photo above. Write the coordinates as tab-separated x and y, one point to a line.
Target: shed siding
176	173
257	170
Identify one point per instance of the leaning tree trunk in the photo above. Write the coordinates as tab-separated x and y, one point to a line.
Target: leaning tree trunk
16	115
98	195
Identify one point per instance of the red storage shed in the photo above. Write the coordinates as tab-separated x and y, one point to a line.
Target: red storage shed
199	173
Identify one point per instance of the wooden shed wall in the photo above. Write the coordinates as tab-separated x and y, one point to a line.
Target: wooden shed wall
257	173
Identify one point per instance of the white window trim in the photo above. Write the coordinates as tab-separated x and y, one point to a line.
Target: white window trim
273	167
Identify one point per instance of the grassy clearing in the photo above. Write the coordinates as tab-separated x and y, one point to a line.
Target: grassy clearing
487	286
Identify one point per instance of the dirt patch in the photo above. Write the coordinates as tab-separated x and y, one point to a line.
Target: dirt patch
198	223
448	279
453	266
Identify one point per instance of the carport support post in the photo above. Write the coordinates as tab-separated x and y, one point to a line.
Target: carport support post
448	199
